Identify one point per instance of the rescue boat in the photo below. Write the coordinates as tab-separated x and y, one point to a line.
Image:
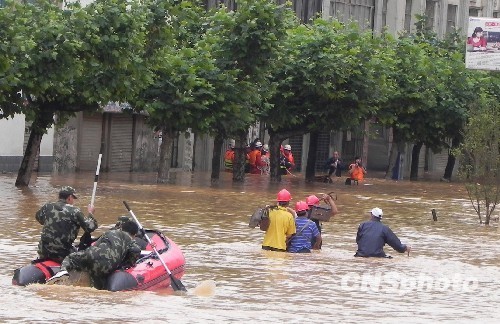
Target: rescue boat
148	273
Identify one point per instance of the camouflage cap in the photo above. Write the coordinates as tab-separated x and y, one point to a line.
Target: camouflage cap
121	220
68	191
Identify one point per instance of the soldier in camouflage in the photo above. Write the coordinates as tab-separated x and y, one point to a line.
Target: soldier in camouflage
61	222
114	249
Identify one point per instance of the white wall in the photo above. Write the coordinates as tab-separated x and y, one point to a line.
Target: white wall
12	136
47	145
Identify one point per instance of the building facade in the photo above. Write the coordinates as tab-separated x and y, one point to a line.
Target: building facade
129	144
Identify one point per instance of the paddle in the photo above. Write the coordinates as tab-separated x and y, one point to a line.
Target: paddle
174	282
293	175
96	179
86	239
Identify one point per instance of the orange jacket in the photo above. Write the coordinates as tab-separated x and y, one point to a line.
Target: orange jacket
357	172
289	156
228	160
255	161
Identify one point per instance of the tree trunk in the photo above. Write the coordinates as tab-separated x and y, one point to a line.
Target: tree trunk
43	120
167	138
415	159
398	147
218	141
366	142
448	171
311	156
240	157
488	214
393	154
274	148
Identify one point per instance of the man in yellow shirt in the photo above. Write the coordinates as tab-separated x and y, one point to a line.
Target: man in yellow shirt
280	224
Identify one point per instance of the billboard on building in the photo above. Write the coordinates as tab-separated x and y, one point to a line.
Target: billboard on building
483	44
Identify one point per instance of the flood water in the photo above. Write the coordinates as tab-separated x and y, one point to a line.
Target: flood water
452	274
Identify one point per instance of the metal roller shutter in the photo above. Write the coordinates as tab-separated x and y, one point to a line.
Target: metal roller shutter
90	142
121	142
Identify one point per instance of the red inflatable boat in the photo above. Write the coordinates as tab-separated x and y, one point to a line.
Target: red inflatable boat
148	273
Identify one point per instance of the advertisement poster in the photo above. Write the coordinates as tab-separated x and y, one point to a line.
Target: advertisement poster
483	44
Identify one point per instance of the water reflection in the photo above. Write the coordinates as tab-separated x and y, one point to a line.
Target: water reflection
451	274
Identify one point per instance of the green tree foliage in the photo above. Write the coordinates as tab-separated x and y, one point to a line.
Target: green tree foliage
70	60
245	44
180	92
479	156
434	90
13	44
331	76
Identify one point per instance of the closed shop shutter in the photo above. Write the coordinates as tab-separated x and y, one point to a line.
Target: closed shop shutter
322	154
121	142
90	142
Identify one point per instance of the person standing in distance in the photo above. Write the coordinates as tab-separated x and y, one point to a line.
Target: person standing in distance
334	166
373	235
280	224
61	222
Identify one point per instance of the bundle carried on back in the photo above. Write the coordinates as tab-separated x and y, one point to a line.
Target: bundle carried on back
259	214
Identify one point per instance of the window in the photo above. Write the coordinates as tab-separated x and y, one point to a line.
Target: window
408	15
430	8
361	11
2	3
473	12
451	20
495	14
384	13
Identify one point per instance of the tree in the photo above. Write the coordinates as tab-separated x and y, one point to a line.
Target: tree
429	106
331	76
248	42
12	44
72	60
455	90
479	156
180	93
407	107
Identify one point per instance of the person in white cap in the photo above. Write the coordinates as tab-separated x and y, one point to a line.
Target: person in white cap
254	159
287	151
373	235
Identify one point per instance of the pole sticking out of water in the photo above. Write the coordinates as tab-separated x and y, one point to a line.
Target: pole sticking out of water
434	215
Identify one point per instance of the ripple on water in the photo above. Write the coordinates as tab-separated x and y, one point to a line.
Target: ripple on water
451	275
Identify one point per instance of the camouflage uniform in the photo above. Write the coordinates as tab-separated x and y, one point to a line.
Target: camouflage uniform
61	222
113	249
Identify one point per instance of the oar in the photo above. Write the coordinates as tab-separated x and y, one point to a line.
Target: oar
96	179
174	282
86	239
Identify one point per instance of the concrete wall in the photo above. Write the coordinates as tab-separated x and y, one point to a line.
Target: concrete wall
65	146
146	147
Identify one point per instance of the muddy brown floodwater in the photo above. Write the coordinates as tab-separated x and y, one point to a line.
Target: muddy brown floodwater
452	275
